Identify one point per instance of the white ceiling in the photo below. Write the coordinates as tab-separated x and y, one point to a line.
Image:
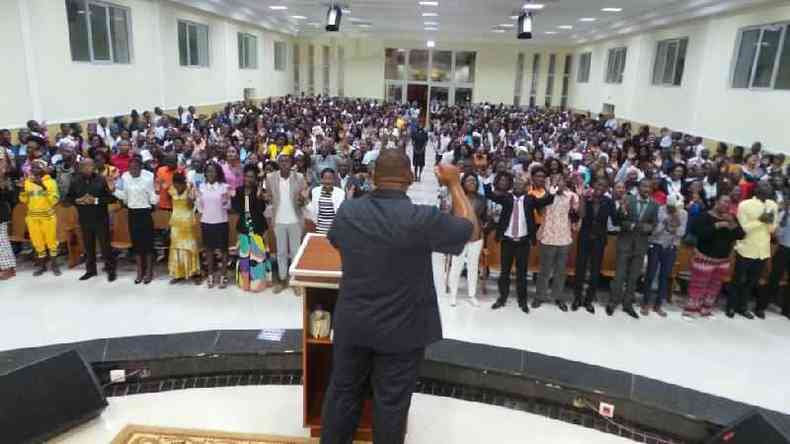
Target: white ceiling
473	20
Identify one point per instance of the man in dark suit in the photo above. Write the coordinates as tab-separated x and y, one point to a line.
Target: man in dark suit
595	212
91	194
516	232
387	312
638	217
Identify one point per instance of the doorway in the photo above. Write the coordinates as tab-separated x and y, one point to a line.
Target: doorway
419	94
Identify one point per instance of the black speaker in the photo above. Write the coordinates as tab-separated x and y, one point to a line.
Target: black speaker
48	397
753	428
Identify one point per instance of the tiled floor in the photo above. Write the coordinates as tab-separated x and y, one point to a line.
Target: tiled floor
744	360
277	410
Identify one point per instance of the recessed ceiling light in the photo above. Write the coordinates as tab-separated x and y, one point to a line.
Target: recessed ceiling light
430	43
299	17
364	25
430	14
346	11
513	17
499	31
428	3
431	28
532	6
565	27
506	25
316	24
551	32
587	19
612	9
278	8
431	23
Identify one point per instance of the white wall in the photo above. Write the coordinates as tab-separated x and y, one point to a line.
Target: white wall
64	91
705	104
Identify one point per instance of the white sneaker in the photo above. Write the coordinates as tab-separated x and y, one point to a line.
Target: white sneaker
474	302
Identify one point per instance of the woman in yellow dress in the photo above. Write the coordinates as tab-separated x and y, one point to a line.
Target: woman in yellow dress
184	262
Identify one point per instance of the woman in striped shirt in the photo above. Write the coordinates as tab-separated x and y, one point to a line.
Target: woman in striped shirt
325	201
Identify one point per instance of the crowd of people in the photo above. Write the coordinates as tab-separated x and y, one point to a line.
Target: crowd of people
537	178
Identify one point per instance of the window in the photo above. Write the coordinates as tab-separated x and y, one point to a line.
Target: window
670	61
297	76
341	73
615	66
441	66
533	89
311	70
519	79
448	75
583	76
763	57
279	56
248	51
192	44
550	79
98	32
418	65
325	68
566	80
465	66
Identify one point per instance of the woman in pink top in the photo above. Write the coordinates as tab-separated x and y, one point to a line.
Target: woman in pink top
555	238
232	168
213	198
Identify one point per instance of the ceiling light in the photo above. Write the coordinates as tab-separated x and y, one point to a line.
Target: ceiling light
565	27
431	23
333	17
278	8
299	17
428	3
525	26
532	6
587	19
430	43
513	17
431	28
364	25
501	31
550	32
506	25
346	11
612	9
430	14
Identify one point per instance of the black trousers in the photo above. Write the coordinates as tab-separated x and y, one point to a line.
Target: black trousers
91	231
393	377
747	276
780	264
518	252
589	255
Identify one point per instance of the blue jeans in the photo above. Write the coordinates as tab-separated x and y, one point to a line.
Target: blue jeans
660	260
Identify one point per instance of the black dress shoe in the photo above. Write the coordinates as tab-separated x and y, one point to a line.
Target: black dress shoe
498	304
525	308
88	275
746	314
576	304
536	303
610	310
111	276
631	312
730	313
760	314
590	308
562	306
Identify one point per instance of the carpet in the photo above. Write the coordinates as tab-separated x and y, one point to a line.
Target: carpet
137	434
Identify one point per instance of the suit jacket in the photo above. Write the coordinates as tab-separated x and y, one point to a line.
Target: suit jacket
596	226
632	235
96	186
387	295
531	204
257	207
297	184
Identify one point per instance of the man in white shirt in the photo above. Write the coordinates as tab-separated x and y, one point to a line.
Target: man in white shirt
611	123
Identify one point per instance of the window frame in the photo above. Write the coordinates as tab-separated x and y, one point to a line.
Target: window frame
784	39
189	23
283	65
452	85
89	29
614	71
584	68
678	41
247	37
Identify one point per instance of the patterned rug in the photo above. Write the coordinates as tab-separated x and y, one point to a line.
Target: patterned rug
136	434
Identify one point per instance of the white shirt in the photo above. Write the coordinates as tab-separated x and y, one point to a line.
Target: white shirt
286	213
370	156
517	231
137	192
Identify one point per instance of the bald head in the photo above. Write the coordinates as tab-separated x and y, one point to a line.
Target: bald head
392	170
86	166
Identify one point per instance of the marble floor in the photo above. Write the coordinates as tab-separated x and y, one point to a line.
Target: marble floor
274	410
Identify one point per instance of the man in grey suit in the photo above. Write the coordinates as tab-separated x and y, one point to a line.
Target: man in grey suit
286	191
638	216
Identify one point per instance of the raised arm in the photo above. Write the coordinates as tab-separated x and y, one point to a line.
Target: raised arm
449	176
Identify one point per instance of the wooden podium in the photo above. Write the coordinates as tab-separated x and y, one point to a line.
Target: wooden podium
317	269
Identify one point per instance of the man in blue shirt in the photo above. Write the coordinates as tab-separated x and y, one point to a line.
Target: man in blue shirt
387	311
